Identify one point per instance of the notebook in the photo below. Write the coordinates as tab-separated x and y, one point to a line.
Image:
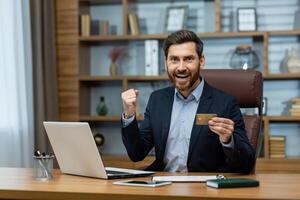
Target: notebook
232	183
77	154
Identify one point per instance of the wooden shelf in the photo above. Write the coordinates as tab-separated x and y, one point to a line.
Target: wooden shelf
100	78
284	33
98	38
101	2
282	118
121	78
231	34
282	76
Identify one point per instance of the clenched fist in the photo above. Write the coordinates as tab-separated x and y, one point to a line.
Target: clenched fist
129	98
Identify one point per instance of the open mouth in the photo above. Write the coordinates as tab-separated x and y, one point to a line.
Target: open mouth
181	76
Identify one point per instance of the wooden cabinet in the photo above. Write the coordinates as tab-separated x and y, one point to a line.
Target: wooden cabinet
83	61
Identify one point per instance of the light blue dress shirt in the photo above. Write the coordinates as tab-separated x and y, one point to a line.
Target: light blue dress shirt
182	122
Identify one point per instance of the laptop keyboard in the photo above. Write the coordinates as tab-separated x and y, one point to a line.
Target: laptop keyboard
115	172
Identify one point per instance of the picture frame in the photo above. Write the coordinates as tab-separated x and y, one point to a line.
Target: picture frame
175	18
246	19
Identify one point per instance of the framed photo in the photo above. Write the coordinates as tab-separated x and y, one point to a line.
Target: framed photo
175	18
246	19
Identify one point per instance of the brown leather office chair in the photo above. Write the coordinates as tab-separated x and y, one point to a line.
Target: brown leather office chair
247	87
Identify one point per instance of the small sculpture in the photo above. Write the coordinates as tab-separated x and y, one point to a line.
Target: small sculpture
101	107
293	62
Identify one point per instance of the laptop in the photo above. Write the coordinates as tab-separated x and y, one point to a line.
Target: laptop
77	154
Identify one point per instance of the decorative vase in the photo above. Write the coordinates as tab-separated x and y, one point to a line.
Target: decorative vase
113	69
293	63
244	58
101	107
283	63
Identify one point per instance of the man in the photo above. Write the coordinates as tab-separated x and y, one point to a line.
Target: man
169	120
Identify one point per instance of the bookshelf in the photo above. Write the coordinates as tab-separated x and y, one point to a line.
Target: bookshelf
77	79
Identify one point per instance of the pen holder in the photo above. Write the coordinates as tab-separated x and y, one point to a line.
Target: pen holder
43	166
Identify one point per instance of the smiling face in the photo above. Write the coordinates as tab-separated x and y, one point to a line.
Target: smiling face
183	66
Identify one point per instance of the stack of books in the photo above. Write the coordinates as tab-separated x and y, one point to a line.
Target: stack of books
295	108
277	146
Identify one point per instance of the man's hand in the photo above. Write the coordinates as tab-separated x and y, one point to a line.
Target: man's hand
129	98
223	127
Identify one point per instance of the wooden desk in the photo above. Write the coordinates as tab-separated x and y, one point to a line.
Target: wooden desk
19	184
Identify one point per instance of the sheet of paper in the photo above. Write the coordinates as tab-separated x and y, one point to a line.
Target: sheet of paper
184	178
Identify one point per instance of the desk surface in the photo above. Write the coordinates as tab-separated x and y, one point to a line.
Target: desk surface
19	184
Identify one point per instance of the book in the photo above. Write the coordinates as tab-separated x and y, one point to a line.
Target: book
133	24
104	27
151	58
154	57
85	25
295	106
274	151
295	100
277	156
95	27
294	112
296	19
232	183
277	144
277	138
148	58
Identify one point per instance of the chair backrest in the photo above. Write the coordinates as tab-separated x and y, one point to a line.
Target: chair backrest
247	87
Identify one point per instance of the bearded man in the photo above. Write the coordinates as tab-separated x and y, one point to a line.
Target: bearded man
180	144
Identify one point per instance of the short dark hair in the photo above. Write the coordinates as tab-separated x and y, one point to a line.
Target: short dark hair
180	37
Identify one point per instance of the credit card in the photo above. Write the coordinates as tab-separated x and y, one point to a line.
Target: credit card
202	119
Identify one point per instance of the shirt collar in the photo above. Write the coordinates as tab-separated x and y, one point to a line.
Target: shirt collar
196	93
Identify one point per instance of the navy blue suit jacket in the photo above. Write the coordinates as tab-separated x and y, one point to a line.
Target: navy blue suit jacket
206	153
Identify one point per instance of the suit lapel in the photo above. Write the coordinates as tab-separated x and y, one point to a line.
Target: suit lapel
203	107
166	119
